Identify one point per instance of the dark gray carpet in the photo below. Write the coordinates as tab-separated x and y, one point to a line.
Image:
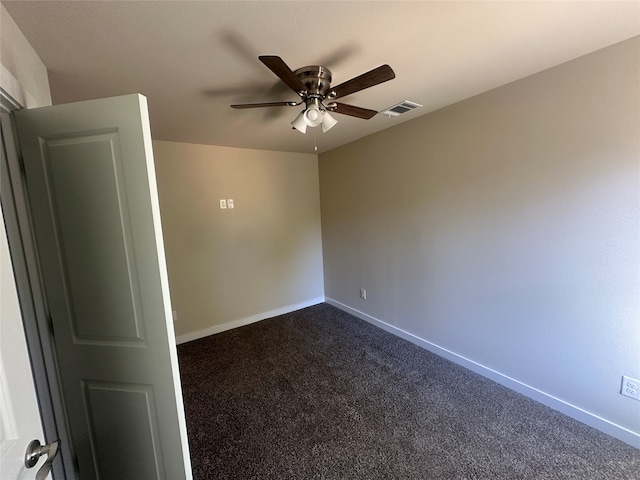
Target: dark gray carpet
320	394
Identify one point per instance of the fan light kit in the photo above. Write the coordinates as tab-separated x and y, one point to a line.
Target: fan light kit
313	85
315	114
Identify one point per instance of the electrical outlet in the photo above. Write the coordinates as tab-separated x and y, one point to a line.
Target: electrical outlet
630	387
229	202
363	294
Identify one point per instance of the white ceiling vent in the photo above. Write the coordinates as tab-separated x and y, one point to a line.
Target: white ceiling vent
400	108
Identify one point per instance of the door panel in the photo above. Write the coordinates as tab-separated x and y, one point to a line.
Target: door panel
95	248
91	187
137	404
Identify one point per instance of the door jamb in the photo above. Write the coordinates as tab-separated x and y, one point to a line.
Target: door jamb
31	296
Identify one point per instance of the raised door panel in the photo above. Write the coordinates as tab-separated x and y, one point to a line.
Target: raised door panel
88	197
111	408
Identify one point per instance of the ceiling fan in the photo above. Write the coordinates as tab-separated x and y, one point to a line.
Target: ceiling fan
313	84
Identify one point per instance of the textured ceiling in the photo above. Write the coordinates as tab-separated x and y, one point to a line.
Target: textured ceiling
192	59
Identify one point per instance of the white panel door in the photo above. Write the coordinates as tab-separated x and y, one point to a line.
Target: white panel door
19	412
91	184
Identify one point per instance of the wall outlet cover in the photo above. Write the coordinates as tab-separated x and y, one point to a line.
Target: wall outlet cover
630	387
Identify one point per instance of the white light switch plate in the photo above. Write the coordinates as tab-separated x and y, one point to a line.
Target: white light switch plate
229	202
223	203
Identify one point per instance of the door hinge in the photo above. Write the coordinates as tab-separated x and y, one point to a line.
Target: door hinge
52	332
23	169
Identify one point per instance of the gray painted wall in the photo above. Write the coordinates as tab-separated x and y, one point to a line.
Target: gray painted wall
506	229
228	267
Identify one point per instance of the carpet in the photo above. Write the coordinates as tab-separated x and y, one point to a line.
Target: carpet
320	394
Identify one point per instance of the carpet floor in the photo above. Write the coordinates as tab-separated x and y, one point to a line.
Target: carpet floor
320	394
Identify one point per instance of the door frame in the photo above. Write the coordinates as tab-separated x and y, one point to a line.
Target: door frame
33	307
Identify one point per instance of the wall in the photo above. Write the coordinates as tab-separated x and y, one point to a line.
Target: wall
22	73
232	267
503	232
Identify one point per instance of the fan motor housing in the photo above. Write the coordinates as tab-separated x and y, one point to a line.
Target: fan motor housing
316	79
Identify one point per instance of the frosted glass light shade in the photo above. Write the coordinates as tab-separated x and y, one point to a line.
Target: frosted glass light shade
313	116
299	123
327	122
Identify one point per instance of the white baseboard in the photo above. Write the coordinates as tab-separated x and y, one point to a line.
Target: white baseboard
240	322
577	413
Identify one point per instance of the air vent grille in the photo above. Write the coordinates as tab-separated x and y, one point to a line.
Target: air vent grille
400	108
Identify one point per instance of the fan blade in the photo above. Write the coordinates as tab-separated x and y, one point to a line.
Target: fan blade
376	76
352	110
284	73
267	104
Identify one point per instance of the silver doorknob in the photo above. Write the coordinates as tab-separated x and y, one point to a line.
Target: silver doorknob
35	450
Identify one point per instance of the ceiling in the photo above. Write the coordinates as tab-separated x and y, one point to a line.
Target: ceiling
192	59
